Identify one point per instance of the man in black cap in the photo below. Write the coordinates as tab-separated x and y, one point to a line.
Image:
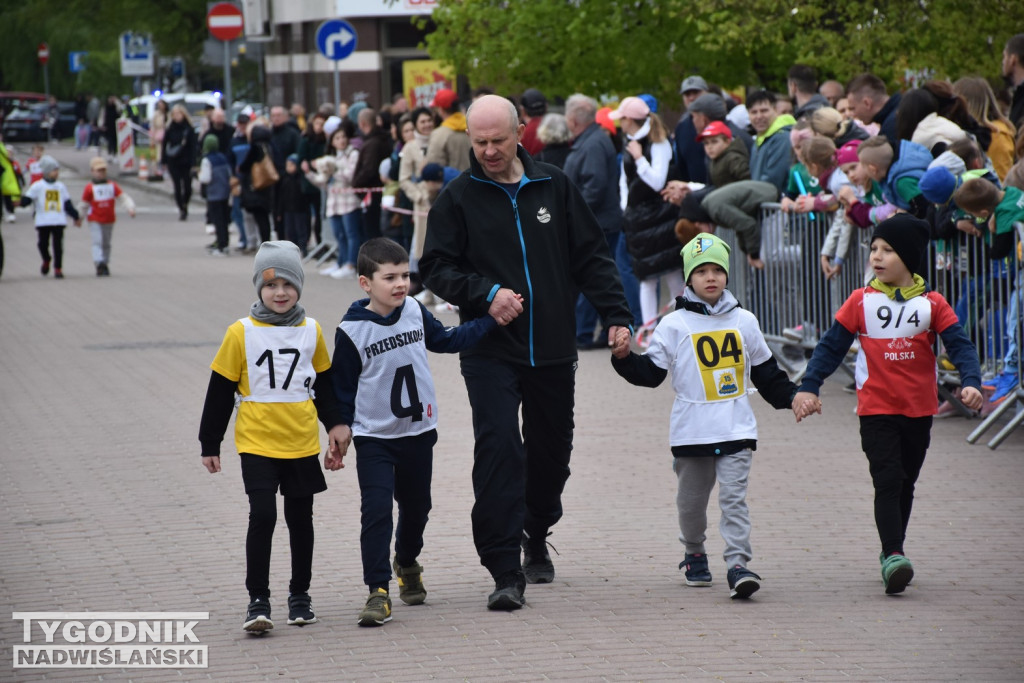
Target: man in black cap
690	153
532	108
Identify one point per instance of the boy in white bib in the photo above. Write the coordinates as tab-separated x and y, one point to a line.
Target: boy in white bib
276	361
715	351
386	395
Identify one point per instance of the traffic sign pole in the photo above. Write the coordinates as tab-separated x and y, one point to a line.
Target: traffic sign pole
227	74
336	40
226	23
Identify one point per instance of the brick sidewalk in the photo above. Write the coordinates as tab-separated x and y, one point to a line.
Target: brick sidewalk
107	508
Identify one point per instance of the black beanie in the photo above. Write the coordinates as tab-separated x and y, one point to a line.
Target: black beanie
908	236
691	208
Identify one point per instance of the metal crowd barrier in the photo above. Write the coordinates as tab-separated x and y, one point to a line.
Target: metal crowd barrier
795	302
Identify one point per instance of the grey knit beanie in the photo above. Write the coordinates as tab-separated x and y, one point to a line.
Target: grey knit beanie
48	164
278	259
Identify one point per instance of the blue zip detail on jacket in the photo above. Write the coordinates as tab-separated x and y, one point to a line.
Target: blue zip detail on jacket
524	181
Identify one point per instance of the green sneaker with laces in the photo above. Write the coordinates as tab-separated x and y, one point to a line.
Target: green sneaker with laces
410	582
896	573
377	611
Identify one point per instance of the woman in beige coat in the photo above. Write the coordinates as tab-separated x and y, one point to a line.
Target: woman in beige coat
414	155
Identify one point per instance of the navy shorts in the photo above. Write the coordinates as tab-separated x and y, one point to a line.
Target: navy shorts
296	477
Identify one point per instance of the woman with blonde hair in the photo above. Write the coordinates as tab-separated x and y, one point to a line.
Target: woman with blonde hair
179	154
829	123
981	103
648	220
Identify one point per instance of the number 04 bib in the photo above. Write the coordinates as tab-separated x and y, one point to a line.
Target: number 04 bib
720	362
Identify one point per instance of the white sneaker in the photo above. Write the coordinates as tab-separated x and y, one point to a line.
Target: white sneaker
346	272
329	270
221	253
443	306
11	218
426	297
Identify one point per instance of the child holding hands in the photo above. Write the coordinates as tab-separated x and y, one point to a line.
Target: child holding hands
276	360
714	350
896	318
383	384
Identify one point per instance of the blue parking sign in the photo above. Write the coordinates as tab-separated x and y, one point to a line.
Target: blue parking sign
336	39
76	61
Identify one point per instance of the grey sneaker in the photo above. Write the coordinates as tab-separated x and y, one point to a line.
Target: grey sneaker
257	616
377	611
508	591
410	582
537	566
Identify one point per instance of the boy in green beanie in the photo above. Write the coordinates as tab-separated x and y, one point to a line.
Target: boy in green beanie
715	351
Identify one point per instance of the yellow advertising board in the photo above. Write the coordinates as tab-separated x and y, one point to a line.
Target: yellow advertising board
422	78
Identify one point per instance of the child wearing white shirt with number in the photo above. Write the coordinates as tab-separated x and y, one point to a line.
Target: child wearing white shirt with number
714	350
276	360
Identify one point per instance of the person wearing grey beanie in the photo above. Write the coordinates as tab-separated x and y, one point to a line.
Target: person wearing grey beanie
276	361
53	205
277	259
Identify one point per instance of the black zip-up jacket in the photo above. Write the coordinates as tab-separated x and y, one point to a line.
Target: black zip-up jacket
543	243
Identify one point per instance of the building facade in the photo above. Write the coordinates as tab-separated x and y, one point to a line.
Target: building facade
294	69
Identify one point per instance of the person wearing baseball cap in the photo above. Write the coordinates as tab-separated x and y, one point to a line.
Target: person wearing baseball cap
896	319
690	157
449	142
532	108
647	226
729	159
715	351
98	199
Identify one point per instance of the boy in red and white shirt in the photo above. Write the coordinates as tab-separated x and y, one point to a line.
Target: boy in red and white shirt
35	172
98	199
896	318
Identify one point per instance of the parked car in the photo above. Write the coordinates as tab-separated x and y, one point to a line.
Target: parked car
32	123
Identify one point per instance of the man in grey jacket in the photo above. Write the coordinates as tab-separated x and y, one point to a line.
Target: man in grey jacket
592	166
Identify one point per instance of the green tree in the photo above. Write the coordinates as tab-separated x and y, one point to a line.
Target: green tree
621	47
178	27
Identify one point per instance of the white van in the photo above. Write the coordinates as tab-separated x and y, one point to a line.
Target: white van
195	102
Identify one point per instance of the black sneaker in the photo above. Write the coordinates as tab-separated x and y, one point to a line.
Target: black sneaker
742	582
508	591
257	616
697	572
537	565
300	610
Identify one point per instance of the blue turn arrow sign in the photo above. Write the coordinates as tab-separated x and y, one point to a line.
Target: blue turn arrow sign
336	39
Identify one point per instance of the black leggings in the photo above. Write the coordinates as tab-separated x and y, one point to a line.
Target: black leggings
298	514
896	446
54	233
181	179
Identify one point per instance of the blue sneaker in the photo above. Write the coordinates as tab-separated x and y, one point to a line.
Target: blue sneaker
742	582
697	572
1005	384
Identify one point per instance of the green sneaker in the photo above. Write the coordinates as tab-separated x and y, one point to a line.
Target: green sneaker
896	573
377	610
410	582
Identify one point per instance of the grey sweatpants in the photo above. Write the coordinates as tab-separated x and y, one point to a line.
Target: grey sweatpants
697	477
101	233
